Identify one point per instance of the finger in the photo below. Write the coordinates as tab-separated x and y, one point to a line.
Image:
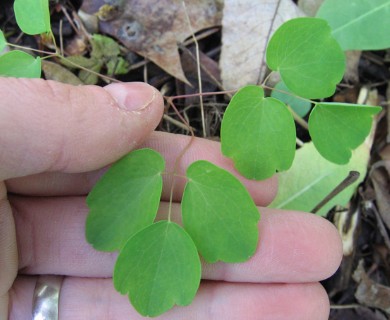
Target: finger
170	146
58	127
84	299
8	251
293	247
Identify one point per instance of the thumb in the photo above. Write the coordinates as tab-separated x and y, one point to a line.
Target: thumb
49	126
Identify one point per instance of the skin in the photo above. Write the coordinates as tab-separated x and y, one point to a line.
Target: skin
56	141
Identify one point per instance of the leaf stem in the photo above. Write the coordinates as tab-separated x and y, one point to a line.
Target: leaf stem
302	122
289	93
31	49
180	156
266	79
89	70
198	70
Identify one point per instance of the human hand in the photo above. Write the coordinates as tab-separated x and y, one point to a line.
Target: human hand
55	139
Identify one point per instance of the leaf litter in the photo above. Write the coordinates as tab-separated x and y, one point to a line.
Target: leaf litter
154	28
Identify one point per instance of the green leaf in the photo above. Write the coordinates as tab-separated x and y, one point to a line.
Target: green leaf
20	65
103	46
88	77
258	134
158	268
311	178
219	214
3	42
300	106
357	24
310	61
33	16
125	200
338	128
116	66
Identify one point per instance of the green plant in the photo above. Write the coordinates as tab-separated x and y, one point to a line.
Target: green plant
158	264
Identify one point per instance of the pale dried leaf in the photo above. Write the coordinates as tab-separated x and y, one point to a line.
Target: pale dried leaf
351	71
153	28
247	27
54	71
310	7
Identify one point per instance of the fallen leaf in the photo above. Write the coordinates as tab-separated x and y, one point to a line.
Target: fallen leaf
310	7
54	71
312	177
352	68
357	24
360	313
369	292
380	180
153	28
247	27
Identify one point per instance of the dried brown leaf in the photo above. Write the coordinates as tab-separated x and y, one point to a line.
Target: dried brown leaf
369	292
360	313
247	27
54	71
380	180
153	28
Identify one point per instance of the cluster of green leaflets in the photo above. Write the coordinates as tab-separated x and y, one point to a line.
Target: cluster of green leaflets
159	262
311	63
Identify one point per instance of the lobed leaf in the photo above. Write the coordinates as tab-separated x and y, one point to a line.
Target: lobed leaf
125	200
3	41
219	214
310	61
258	134
158	268
338	128
20	64
300	106
103	46
357	24
33	16
312	177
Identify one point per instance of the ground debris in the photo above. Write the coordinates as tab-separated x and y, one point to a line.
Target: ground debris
154	28
369	292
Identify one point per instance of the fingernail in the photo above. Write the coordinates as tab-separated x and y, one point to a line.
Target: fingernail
133	96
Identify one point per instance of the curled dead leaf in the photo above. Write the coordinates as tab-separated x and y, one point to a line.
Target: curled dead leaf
154	28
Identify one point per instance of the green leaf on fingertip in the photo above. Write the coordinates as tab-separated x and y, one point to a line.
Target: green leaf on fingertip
297	51
258	134
3	41
338	128
125	200
219	214
20	64
33	16
158	267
